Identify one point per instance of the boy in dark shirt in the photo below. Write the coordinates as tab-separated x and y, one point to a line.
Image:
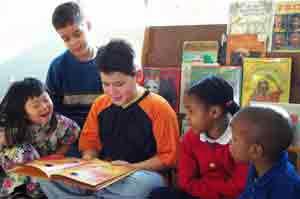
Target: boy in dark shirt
261	136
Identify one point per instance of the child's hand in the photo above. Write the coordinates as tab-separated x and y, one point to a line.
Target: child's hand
89	155
2	138
120	163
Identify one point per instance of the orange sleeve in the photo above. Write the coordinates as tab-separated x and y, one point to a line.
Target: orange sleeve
89	137
165	128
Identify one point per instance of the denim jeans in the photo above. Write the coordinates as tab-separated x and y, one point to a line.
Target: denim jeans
136	186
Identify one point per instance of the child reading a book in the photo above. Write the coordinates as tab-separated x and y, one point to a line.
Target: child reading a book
30	128
206	168
127	125
261	136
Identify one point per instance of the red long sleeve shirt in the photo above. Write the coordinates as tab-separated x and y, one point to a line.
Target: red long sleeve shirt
207	170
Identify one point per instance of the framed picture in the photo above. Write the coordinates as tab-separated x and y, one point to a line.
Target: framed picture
164	81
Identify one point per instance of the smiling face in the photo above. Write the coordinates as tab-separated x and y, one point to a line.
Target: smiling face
294	40
120	87
75	37
39	110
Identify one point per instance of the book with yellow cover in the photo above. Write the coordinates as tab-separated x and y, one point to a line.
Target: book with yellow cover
93	174
266	80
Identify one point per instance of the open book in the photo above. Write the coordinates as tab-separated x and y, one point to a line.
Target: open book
93	174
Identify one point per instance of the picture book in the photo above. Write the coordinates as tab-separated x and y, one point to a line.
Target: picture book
266	79
294	111
202	52
241	46
93	175
251	17
286	27
164	81
192	73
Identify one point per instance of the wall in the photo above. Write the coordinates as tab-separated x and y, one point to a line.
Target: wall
29	43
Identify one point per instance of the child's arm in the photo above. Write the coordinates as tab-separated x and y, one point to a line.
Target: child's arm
63	149
188	172
70	136
234	183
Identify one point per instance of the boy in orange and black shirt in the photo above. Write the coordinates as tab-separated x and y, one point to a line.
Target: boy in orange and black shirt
127	125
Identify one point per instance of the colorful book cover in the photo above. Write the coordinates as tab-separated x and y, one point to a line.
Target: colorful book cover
293	110
192	73
202	52
286	27
241	46
266	79
164	81
251	17
93	174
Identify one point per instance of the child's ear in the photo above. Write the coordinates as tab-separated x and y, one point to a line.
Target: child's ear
256	151
139	76
216	111
89	25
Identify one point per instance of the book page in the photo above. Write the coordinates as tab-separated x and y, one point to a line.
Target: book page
93	172
50	167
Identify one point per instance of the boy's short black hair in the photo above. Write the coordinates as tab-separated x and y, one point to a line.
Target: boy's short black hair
68	13
116	56
270	128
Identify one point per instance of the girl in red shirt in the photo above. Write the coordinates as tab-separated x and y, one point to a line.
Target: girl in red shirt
206	168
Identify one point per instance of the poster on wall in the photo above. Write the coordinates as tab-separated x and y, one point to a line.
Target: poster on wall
286	27
164	81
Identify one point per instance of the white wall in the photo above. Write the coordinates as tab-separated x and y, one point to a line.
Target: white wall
187	12
29	43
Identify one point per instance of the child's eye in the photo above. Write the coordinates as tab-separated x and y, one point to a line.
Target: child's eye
36	106
77	34
118	84
65	39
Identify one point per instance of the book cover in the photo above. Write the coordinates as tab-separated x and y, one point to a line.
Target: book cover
202	52
294	111
164	81
286	27
266	79
251	17
242	46
192	73
93	175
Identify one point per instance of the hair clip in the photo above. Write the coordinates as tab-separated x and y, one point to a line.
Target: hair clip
227	104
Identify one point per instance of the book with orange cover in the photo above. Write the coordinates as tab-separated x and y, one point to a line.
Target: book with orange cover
93	174
242	46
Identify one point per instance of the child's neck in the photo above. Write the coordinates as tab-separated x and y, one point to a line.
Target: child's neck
262	167
91	54
218	128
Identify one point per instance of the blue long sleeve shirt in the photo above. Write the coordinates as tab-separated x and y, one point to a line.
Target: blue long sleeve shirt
281	181
73	86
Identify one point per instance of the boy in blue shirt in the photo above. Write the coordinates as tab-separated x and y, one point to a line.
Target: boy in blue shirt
73	79
261	136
